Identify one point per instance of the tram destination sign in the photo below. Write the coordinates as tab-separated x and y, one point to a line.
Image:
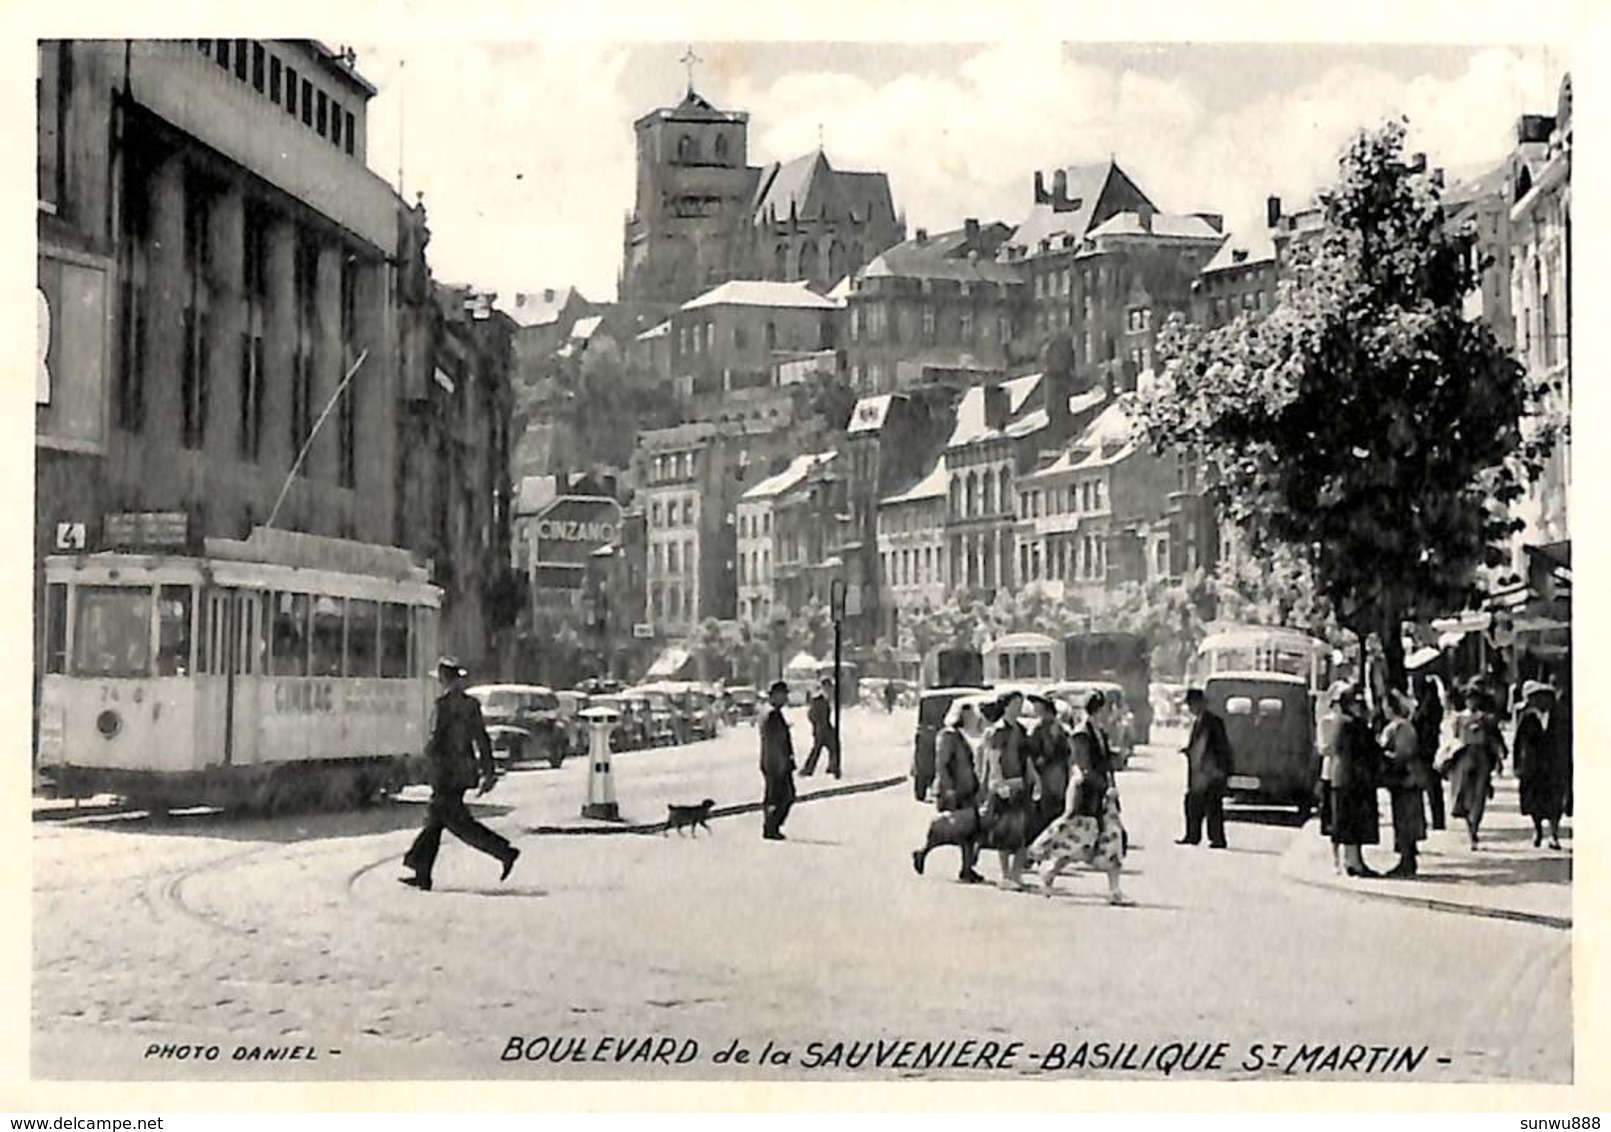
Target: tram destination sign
572	527
147	529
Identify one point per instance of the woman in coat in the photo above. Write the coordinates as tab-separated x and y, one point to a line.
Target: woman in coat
1354	770
1543	763
956	793
1050	753
1090	829
1479	749
1405	777
1428	722
1008	787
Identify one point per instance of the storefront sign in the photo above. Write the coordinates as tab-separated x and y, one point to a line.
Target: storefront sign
572	527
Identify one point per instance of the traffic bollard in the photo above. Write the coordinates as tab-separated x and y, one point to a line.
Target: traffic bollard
600	804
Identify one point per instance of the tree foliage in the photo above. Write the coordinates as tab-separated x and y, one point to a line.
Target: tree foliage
1364	422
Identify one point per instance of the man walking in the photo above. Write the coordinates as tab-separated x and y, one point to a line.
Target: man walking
777	763
460	756
1208	766
823	735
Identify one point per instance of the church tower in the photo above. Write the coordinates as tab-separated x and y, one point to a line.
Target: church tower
688	226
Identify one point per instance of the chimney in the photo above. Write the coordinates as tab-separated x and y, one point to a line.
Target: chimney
970	230
1040	188
1534	128
922	235
1058	386
997	405
1144	212
1272	211
548	294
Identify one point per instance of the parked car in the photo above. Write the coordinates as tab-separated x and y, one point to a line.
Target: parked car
743	702
523	723
931	708
631	728
659	718
571	706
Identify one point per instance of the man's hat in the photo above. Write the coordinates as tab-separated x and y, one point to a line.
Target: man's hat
1195	695
1040	701
450	666
1006	696
1536	688
778	686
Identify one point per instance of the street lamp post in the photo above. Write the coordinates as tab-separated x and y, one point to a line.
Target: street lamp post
836	605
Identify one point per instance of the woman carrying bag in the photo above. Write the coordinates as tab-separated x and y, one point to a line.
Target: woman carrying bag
957	794
1004	814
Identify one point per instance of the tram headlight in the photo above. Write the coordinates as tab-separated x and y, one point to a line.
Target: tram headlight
109	723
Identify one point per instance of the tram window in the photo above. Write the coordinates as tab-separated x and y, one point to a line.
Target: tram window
329	621
1005	664
112	631
363	623
393	640
173	630
1239	705
290	635
56	628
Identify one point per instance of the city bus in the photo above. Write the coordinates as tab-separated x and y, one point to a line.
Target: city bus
1124	659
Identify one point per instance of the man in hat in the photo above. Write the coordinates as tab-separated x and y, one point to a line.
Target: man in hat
823	735
1208	767
777	763
460	756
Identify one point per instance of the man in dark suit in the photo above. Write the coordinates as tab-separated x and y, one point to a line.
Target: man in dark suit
460	756
823	735
1208	766
777	763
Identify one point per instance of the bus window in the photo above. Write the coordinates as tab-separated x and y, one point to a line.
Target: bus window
112	633
56	628
173	630
329	625
1270	708
394	640
1239	705
289	656
1004	664
363	623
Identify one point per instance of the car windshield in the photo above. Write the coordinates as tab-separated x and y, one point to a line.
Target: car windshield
499	704
541	701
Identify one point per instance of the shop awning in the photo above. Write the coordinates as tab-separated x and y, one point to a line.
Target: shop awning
668	663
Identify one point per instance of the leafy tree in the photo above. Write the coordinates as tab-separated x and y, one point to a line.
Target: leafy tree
1364	422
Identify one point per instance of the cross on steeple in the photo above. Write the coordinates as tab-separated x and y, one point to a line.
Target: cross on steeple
688	60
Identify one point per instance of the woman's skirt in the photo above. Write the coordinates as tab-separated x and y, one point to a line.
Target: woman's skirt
1470	783
1006	825
1354	817
1098	842
1409	818
1542	794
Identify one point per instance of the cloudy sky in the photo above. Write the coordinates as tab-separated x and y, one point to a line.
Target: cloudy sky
524	151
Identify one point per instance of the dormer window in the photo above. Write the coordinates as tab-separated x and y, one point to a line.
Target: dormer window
721	148
687	149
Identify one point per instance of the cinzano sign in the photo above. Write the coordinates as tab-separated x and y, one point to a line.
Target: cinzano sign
572	527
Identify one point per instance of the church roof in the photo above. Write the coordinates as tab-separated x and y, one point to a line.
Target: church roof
810	185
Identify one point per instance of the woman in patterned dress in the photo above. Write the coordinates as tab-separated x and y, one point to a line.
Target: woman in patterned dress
1090	830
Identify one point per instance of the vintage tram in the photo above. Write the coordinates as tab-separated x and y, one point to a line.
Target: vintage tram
280	671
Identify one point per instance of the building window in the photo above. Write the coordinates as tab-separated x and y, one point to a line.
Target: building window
335	123
259	57
221	53
251	397
240	59
132	313
305	270
291	89
51	86
321	118
307	102
195	316
347	430
928	323
274	79
351	142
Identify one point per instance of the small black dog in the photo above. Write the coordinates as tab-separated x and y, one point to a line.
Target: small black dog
680	818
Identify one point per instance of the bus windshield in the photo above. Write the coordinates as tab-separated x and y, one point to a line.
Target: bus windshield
112	634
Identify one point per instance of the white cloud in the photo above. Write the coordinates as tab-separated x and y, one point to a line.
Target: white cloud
525	155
